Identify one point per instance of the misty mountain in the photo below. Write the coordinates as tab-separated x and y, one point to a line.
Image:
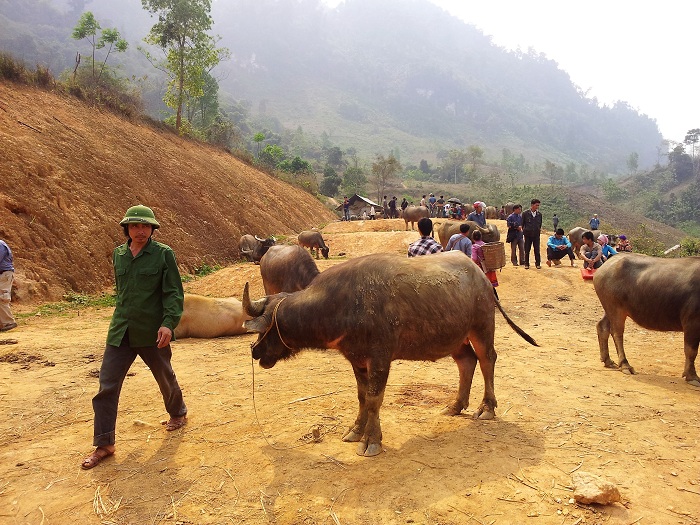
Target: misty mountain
379	76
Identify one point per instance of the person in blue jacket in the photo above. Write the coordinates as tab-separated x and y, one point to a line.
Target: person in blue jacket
557	247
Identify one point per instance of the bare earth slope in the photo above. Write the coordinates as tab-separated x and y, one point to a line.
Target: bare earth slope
68	172
248	455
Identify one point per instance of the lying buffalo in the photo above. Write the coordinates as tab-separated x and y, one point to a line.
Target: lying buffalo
413	214
253	247
313	239
209	317
447	229
287	269
379	308
657	294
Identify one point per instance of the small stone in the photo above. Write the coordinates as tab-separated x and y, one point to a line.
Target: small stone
589	488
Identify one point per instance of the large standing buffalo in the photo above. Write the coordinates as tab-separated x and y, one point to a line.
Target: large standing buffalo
447	229
657	294
209	317
253	247
313	239
379	308
413	214
287	269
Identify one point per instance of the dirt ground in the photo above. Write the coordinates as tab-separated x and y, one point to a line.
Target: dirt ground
248	453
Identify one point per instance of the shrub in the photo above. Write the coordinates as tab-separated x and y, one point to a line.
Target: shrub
12	69
645	242
690	247
206	269
43	77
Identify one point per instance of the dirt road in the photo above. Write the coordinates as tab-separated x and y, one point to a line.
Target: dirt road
248	454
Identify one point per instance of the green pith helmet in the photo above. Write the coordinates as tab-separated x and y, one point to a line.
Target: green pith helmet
140	213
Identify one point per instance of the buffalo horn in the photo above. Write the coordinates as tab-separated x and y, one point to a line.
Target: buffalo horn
259	239
253	309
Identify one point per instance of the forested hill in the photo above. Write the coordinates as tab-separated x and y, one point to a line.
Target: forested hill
379	76
403	73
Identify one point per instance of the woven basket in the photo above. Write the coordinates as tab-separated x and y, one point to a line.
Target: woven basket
494	255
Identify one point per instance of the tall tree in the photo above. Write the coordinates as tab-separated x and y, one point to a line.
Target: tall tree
354	180
87	28
475	155
330	183
633	162
691	139
453	164
181	33
383	170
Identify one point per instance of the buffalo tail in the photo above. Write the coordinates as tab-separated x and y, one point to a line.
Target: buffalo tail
515	327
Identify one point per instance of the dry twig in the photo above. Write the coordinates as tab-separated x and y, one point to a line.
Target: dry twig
30	127
337	462
314	397
334	516
238	492
578	467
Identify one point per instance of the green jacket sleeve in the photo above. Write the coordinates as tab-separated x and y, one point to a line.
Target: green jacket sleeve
173	294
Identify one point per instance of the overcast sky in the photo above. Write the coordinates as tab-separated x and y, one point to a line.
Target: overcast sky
640	52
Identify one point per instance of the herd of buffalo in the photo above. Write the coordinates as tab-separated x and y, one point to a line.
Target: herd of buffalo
378	308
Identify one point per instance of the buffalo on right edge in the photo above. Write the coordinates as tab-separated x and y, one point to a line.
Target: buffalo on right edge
379	308
657	294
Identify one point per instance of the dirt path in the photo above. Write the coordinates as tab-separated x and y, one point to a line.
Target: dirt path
254	460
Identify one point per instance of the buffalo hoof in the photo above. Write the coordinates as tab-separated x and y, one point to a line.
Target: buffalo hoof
693	382
451	411
610	364
484	413
628	370
374	449
352	437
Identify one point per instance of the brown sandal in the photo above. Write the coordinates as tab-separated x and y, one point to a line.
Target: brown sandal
175	422
95	458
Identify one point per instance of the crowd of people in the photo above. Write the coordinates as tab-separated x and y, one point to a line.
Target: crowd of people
523	234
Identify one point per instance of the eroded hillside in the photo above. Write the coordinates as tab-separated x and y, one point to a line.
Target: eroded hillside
68	172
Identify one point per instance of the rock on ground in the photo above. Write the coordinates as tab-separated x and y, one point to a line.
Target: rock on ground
589	488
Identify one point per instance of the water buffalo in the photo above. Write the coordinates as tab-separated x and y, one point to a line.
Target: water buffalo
313	239
413	214
378	308
657	294
287	269
509	208
491	212
209	317
253	247
576	238
447	229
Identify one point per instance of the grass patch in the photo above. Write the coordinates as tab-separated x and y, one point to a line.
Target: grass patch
201	271
74	301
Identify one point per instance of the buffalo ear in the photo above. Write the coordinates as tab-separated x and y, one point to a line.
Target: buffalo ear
255	308
259	325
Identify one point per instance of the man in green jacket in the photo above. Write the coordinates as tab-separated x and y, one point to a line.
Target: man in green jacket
149	306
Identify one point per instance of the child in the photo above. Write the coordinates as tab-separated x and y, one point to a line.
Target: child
623	245
480	260
607	250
